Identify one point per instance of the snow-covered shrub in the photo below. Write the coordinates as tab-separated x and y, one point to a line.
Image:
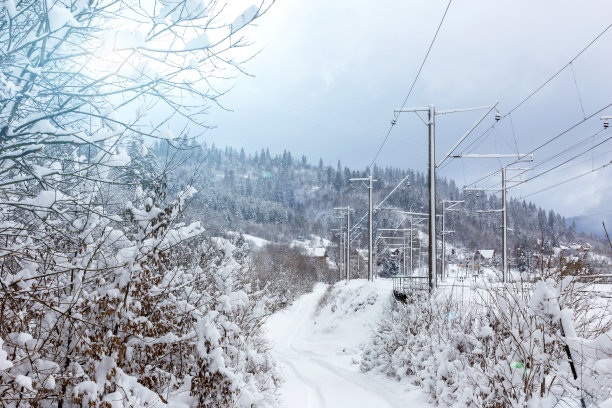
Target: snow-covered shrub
151	313
423	342
532	357
106	296
505	347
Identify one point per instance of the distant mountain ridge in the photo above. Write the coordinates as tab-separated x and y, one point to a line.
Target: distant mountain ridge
592	224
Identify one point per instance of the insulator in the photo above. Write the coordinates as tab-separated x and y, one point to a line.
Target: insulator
497	117
393	122
606	124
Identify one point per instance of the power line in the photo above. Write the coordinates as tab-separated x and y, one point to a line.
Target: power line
585	140
569	129
426	55
568	180
569	149
394	121
558	72
572	127
561	164
486	132
597	156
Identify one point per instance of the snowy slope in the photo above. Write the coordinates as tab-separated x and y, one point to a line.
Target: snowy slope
318	351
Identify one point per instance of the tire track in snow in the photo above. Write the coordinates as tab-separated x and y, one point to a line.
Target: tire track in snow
312	379
287	359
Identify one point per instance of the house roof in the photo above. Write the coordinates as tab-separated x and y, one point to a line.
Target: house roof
486	253
318	252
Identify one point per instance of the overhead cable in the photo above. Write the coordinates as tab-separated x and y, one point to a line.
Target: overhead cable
394	121
568	180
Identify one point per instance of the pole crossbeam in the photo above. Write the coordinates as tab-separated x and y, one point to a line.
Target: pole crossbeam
519	156
481	189
466	134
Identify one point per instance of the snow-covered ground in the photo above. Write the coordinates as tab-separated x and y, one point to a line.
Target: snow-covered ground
313	246
318	350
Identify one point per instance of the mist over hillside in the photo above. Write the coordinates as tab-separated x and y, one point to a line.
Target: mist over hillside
592	224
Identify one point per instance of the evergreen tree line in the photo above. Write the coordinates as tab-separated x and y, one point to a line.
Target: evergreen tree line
240	191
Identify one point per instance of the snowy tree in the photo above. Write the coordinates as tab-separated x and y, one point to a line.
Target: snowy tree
88	295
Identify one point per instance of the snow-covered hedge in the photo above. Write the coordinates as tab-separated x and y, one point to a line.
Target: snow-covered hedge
149	315
107	297
505	347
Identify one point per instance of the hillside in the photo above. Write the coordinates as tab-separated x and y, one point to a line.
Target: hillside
282	197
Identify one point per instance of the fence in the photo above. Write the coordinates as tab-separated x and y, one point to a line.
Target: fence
403	285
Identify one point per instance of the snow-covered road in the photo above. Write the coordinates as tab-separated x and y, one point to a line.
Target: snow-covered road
318	352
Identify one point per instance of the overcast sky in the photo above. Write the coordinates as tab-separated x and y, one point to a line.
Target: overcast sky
331	72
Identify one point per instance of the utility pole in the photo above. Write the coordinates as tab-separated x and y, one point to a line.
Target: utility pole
413	222
433	253
520	158
420	217
348	242
606	231
452	206
411	245
432	174
342	254
404	269
340	250
505	277
403	238
348	238
370	225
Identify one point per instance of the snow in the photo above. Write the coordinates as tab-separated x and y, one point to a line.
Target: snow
606	404
313	246
60	16
9	5
197	43
25	382
86	388
44	199
5	364
166	134
256	241
318	252
486	253
119	159
182	10
245	18
125	39
44	126
318	350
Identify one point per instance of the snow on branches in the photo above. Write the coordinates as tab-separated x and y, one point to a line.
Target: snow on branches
516	345
108	297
